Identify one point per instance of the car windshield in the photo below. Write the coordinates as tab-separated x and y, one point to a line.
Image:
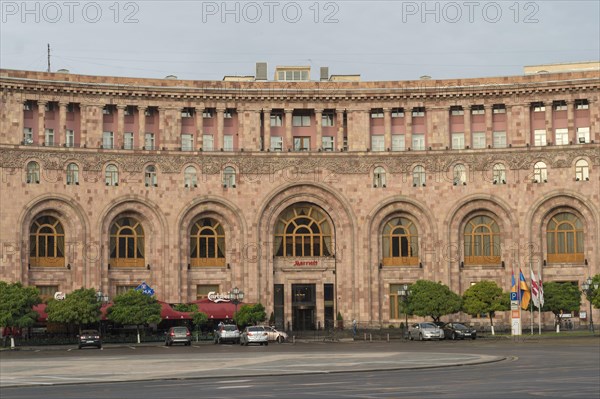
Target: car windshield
255	329
428	325
229	328
180	329
459	326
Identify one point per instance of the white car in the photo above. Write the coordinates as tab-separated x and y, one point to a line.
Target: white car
276	335
423	331
254	335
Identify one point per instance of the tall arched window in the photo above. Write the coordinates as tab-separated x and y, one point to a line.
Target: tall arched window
460	175
111	175
207	243
400	242
127	243
33	173
189	177
229	177
565	239
582	170
379	177
418	176
482	241
499	172
540	172
150	177
303	231
72	173
46	243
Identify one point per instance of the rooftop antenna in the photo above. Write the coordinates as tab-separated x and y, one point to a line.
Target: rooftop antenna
48	57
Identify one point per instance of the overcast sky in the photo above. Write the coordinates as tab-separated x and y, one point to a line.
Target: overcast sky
380	40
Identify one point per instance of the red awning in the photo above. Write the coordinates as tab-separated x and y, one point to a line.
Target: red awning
43	316
216	310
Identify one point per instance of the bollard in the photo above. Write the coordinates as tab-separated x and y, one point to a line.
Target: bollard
294	339
370	337
365	337
388	337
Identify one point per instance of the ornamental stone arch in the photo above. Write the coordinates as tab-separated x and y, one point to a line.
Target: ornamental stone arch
156	246
379	276
341	268
237	265
538	218
459	275
79	254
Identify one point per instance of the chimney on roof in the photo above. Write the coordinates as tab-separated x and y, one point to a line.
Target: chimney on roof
324	74
261	71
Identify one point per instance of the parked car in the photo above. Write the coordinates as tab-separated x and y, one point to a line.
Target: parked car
178	335
459	331
227	333
254	335
275	335
423	331
90	338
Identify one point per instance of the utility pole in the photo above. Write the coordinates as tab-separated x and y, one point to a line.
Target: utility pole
48	57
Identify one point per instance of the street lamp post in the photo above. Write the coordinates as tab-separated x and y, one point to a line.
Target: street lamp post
589	288
404	293
236	296
103	299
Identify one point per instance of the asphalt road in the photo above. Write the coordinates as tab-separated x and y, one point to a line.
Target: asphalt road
547	368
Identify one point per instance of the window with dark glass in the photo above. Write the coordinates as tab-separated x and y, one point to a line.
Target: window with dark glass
400	242
565	239
482	241
303	231
127	243
207	243
46	243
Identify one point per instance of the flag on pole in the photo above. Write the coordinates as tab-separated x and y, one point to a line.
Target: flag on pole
535	291
540	290
525	292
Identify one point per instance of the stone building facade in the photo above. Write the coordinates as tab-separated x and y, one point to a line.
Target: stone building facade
312	197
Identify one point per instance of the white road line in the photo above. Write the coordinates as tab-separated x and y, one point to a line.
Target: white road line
236	387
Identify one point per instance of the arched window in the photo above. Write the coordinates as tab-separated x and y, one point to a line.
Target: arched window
582	170
229	177
460	175
207	243
150	177
565	239
303	231
111	175
418	176
127	243
46	243
499	172
72	173
482	241
400	242
379	177
540	172
33	173
189	177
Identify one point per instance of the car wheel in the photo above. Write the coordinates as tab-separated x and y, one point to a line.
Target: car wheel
79	346
410	337
420	337
454	336
266	343
474	337
99	346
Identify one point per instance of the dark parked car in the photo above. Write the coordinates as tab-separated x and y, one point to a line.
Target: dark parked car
459	331
179	335
90	338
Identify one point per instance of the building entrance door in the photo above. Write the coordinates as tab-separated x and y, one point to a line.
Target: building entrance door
303	307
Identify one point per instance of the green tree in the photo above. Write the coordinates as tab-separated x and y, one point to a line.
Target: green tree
199	318
428	298
485	297
16	306
561	298
596	294
250	314
80	307
135	307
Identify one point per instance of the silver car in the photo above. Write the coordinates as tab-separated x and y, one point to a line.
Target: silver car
276	335
254	335
423	331
227	333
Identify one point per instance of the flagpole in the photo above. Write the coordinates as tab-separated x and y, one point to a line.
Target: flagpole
531	301
540	307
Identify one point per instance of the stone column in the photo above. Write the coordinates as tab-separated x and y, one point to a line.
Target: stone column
594	120
358	129
160	137
288	140
338	140
119	134
142	127
220	115
318	124
467	126
489	124
62	123
549	131
267	130
199	121
41	122
571	121
387	128
408	126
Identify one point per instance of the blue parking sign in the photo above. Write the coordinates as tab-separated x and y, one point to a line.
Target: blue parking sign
145	288
513	296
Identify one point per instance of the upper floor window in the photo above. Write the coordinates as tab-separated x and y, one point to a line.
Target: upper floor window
378	142
187	142
299	120
150	176
379	177
187	112
228	114
418	142
418	111
482	241
47	242
190	178
499	139
540	172
377	113
328	118
303	231
398	143
229	177
397	112
583	135
27	136
111	175
33	173
538	107
126	243
477	110
292	74
582	170
418	176
539	137
327	143
400	242
582	104
72	173
276	143
207	113
499	172
499	109
301	143
460	175
565	239
456	110
560	105
207	243
276	119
